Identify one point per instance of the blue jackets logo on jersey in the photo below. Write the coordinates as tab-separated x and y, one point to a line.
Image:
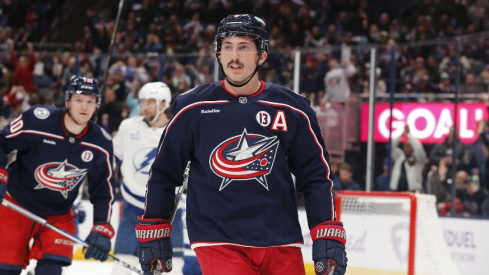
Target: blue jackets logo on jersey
59	176
244	157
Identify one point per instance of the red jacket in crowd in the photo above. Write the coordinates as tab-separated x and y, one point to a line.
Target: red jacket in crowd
24	76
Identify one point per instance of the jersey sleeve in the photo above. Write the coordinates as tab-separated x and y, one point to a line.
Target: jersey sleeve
174	151
118	142
101	184
13	137
309	162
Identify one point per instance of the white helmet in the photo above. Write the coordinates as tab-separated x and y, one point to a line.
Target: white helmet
158	91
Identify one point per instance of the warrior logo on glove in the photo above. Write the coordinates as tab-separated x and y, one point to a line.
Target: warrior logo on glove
328	248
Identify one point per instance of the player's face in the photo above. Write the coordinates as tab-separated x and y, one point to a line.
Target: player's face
238	57
81	107
148	108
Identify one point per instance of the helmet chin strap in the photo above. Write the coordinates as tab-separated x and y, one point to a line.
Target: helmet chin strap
158	113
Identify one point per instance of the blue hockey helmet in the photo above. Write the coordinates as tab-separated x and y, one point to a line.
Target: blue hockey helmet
83	85
242	25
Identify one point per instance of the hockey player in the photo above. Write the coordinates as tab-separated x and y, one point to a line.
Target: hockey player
244	138
135	147
57	150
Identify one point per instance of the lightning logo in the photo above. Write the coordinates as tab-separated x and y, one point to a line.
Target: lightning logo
143	159
244	157
59	176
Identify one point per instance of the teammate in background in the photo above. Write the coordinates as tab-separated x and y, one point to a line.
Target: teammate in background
135	147
244	138
57	150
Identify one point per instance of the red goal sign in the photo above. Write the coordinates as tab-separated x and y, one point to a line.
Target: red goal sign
428	122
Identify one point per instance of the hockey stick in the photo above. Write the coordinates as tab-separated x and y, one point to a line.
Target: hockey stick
156	268
62	232
180	192
112	40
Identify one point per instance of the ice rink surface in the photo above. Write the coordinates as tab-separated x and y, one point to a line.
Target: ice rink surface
82	267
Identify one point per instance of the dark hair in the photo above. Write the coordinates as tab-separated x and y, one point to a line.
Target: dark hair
346	166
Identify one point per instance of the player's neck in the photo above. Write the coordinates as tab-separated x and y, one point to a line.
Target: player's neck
71	126
160	122
250	88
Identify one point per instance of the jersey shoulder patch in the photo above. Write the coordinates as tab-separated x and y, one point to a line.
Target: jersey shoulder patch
41	112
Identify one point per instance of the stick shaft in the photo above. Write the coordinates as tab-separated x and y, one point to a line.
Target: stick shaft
180	192
112	40
62	232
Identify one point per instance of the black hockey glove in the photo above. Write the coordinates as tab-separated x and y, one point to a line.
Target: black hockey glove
3	183
99	242
328	248
154	249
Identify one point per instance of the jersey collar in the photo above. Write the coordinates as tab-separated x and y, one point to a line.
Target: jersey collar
70	135
262	87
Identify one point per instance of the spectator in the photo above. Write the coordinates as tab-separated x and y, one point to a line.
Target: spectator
444	207
179	76
434	186
449	63
344	179
380	85
408	163
445	87
479	11
336	81
24	69
382	181
132	102
69	71
471	86
484	77
444	151
110	112
314	38
472	196
6	43
194	26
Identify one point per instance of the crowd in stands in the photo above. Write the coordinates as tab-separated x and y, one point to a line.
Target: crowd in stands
334	37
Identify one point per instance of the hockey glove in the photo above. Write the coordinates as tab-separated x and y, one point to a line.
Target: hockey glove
80	213
328	248
3	183
155	249
99	242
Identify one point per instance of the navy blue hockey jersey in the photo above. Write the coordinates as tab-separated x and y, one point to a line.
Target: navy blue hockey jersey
242	151
51	165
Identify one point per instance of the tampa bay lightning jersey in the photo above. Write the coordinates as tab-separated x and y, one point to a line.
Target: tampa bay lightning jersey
51	164
136	144
243	150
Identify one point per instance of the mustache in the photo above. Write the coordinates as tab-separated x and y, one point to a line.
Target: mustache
235	62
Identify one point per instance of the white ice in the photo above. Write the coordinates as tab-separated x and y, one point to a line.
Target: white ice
83	267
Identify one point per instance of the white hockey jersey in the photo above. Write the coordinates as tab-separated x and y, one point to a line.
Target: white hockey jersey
136	144
336	83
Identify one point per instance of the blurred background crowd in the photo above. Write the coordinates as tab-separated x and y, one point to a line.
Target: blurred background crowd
441	46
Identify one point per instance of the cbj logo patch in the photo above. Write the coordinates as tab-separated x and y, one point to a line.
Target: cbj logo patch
244	157
59	176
